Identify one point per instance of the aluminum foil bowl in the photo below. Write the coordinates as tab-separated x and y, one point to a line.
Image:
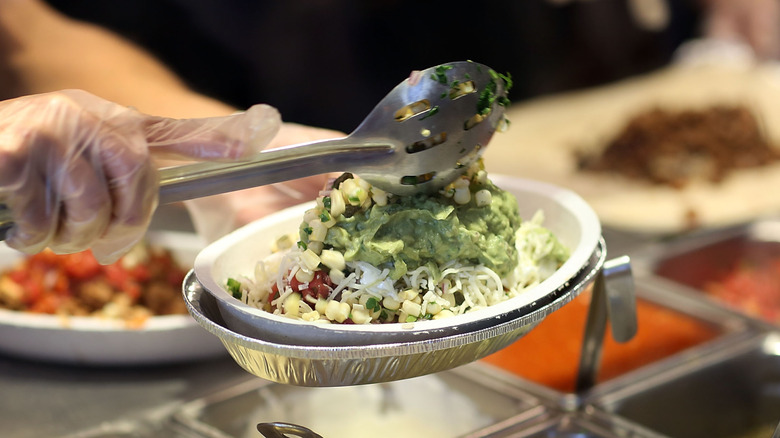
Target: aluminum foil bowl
362	364
566	214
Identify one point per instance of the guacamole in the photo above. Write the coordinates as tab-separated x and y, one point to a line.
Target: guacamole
413	231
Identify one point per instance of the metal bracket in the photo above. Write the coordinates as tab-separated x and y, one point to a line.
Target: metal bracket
612	299
6	221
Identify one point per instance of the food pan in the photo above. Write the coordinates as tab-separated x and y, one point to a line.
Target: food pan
668	328
452	403
737	268
732	392
361	364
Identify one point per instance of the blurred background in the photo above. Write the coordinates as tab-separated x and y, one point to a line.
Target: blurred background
297	55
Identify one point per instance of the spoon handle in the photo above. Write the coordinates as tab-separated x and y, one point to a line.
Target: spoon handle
211	178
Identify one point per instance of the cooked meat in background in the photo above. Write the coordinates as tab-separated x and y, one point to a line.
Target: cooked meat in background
676	147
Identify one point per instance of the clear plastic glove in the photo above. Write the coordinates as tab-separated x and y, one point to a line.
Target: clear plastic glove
79	172
215	216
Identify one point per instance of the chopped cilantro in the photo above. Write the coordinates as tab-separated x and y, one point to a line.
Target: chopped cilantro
324	216
307	229
410	180
373	304
302	245
440	74
326	202
234	287
431	112
488	95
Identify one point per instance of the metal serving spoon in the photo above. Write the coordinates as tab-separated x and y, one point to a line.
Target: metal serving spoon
419	138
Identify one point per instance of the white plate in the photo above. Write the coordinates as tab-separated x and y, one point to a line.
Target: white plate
95	341
566	214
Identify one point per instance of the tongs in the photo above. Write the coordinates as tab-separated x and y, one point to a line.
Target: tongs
424	134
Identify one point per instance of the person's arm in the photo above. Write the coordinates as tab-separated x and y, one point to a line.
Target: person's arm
753	22
42	50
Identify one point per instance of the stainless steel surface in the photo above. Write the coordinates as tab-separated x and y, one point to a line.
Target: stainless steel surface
621	299
6	221
612	300
361	364
582	424
729	392
485	405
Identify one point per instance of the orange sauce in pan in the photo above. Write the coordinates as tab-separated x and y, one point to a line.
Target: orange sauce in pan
549	354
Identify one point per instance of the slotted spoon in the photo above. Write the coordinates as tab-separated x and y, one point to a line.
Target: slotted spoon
419	138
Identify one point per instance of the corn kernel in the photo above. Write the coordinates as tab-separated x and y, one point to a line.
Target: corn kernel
333	259
462	196
315	246
443	314
433	308
379	196
321	305
483	198
360	315
337	206
318	230
310	260
411	308
291	305
408	294
480	177
336	276
304	276
391	303
311	316
337	311
311	214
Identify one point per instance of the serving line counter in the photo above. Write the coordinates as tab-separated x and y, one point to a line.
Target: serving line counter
42	399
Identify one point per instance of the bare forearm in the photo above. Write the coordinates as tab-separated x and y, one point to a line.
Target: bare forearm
42	50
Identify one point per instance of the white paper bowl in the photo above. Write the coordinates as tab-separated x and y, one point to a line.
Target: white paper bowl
102	342
566	214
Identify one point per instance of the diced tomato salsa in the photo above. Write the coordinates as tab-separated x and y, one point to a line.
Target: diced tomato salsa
76	284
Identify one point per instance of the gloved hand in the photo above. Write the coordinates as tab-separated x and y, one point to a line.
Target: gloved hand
78	171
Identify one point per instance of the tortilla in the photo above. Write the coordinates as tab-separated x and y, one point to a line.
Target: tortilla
545	133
